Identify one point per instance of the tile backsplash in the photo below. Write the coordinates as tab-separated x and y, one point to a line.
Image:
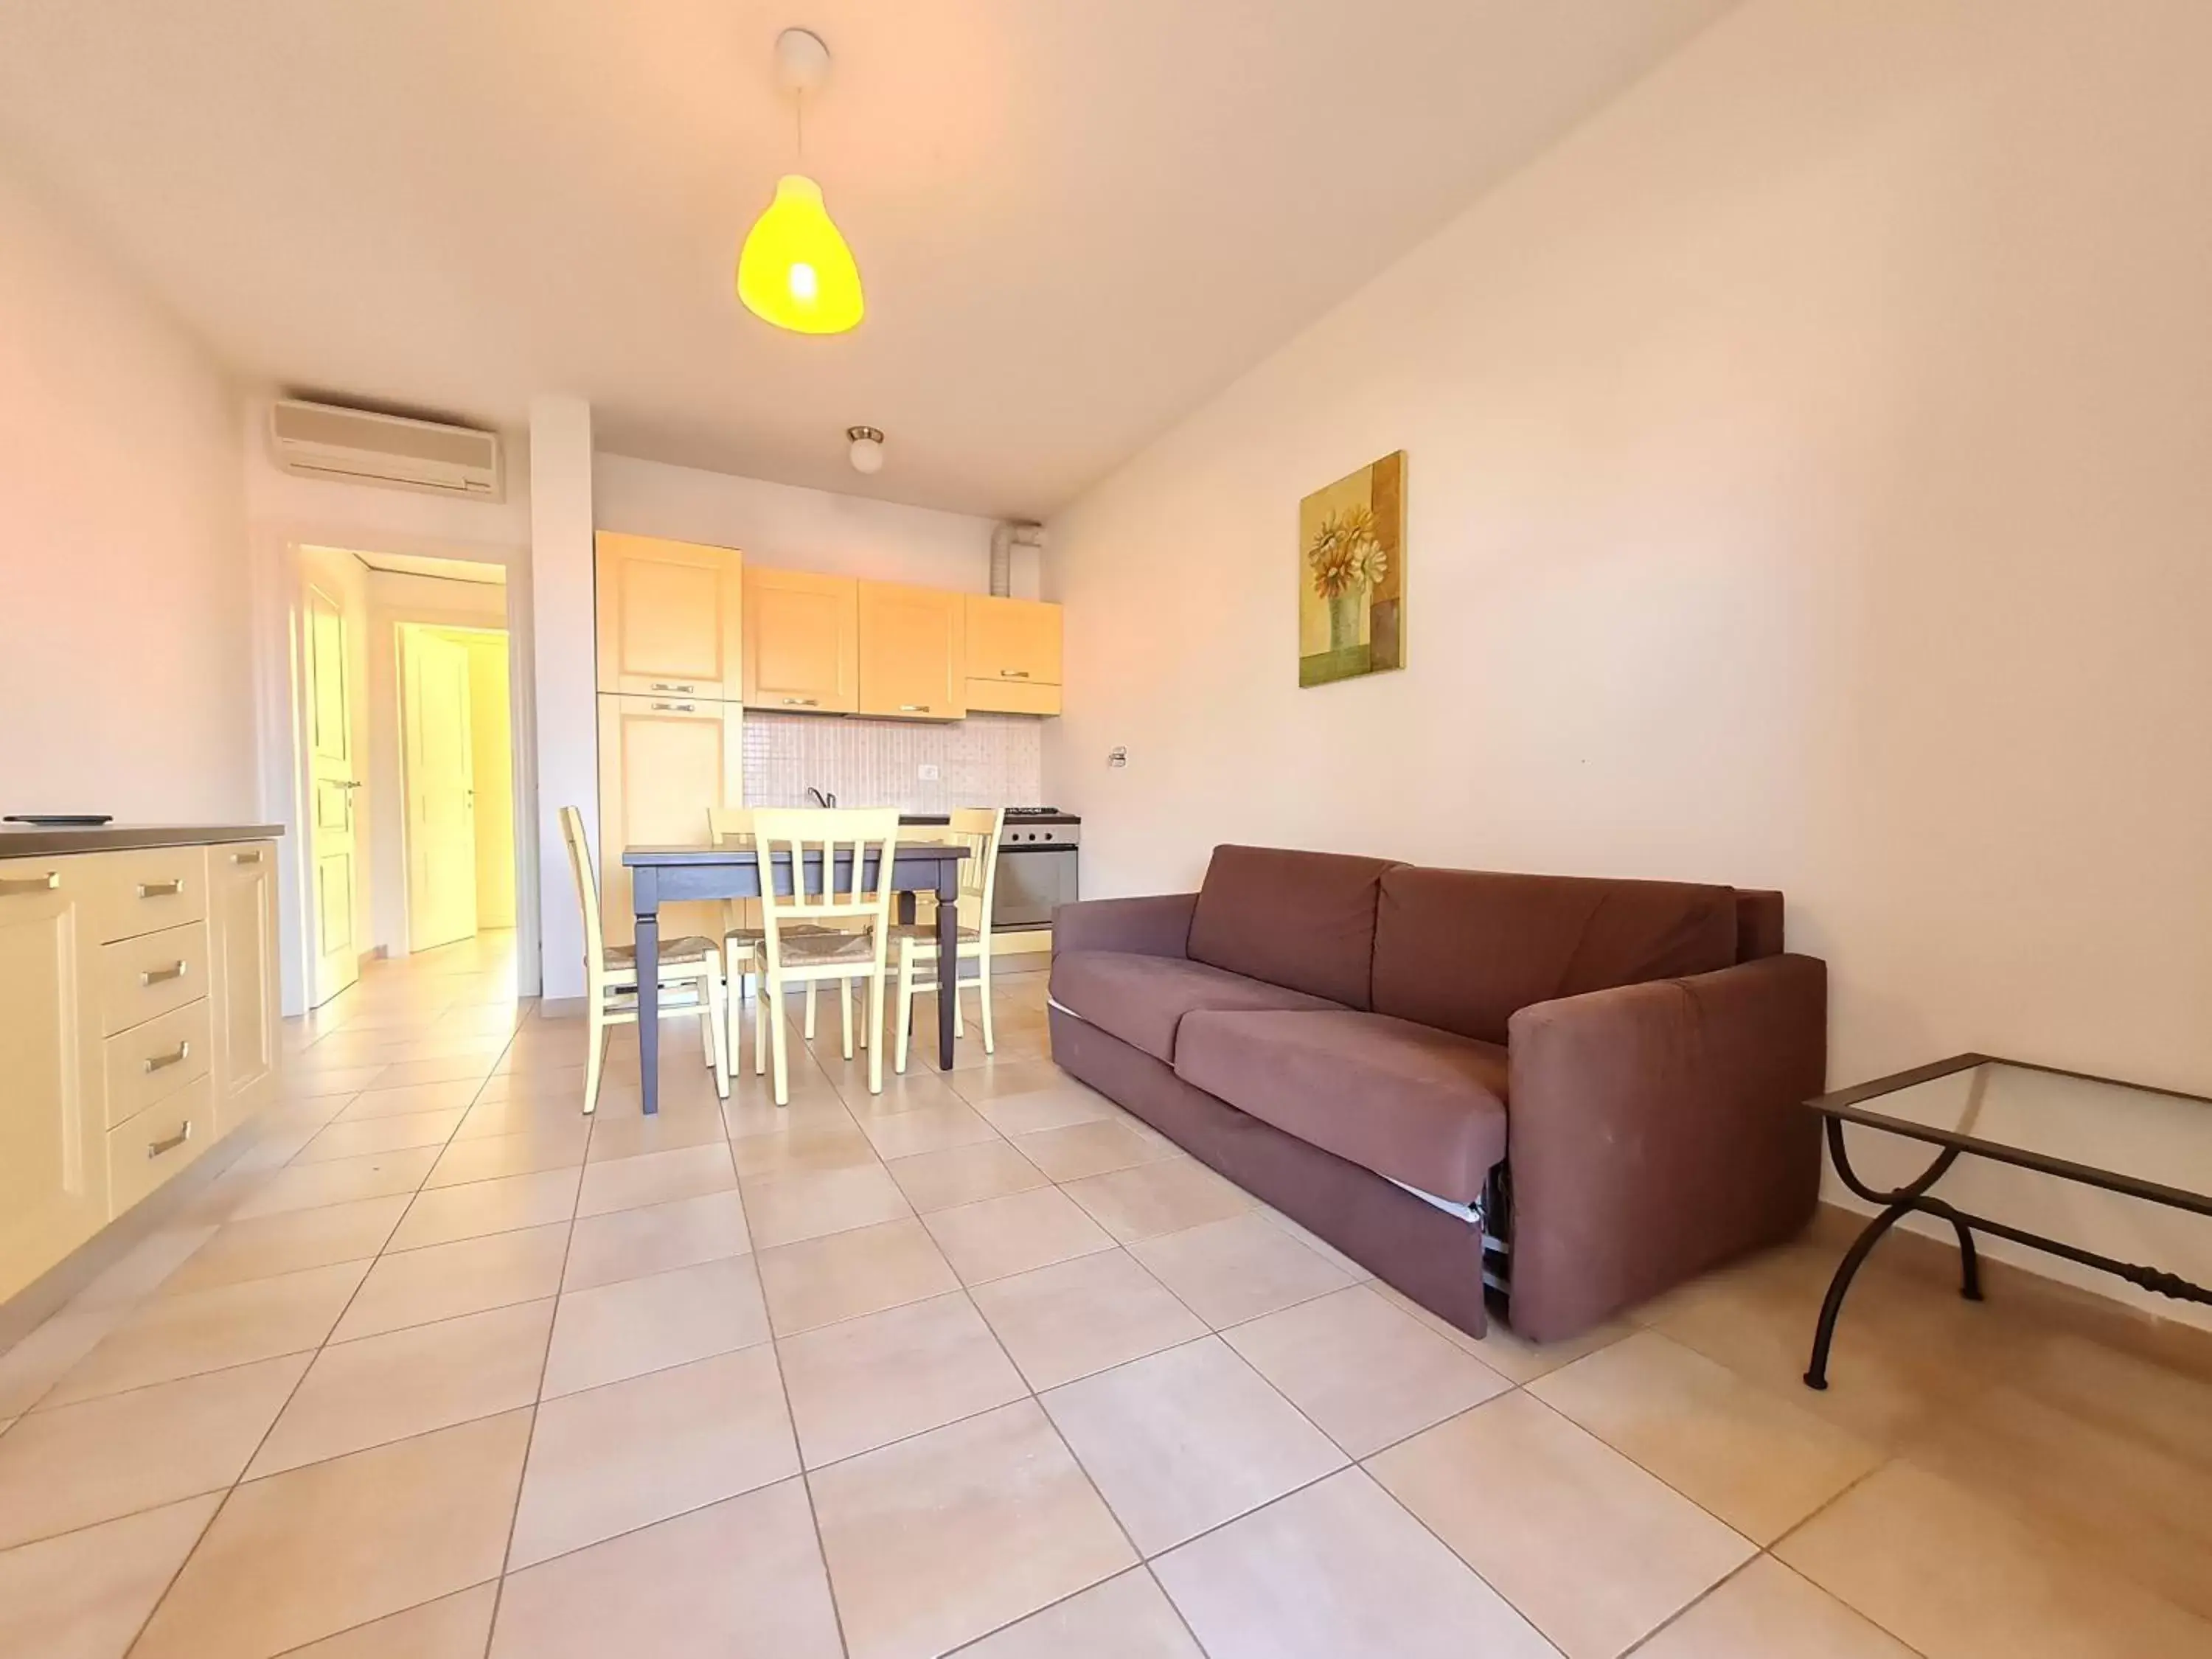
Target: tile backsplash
986	760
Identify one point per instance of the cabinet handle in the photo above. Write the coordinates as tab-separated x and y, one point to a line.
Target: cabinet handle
253	857
163	976
161	889
802	703
914	708
45	884
1013	673
162	1062
155	1148
678	707
658	686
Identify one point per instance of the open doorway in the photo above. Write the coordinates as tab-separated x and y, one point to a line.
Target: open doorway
455	747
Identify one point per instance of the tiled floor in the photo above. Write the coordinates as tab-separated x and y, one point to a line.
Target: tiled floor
439	1369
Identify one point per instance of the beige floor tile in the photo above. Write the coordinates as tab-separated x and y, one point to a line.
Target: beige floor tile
473	1067
355	1137
749	1112
84	1594
342	1181
489	1157
77	1465
1014	1077
359	1394
926	1129
1756	1460
1767	1612
1366	1374
1313	1241
608	1460
864	1383
1227	1271
1126	1616
1186	1439
301	1079
638	1325
144	1268
1166	1197
537	1083
1001	1237
1334	1570
1084	1316
1599	1552
812	1203
289	1242
410	1100
42	1359
1055	1106
489	1119
442	1281
305	1554
916	1534
1090	1149
806	1143
964	1175
451	1627
1950	1574
850	1274
508	1204
175	1336
633	1134
627	1183
1504	1351
923	1086
740	1580
655	1237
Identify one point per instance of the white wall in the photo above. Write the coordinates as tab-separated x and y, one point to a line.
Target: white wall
1808	483
561	666
126	633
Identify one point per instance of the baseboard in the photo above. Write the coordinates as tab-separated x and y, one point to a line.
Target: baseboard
561	1007
375	953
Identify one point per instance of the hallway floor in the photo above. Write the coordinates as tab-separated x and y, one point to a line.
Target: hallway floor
438	1368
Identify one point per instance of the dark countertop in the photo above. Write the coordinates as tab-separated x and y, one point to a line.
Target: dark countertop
27	841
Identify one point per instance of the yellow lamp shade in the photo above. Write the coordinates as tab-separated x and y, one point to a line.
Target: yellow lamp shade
795	270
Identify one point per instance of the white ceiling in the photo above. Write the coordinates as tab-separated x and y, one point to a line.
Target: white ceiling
1074	218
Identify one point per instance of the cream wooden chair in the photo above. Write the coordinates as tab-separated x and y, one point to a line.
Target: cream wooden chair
690	967
742	948
819	931
978	827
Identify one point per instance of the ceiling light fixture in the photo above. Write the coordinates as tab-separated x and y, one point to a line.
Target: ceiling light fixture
867	450
795	269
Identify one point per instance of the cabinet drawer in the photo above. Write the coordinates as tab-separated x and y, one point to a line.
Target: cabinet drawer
1012	697
150	1063
160	1142
141	978
144	891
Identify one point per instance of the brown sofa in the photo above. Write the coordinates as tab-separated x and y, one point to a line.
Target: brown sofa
1601	1077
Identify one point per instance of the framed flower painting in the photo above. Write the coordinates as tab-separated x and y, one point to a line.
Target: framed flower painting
1352	574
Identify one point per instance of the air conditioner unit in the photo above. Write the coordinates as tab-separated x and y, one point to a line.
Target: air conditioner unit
318	440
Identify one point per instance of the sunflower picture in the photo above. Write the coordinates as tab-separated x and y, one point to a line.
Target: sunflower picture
1352	556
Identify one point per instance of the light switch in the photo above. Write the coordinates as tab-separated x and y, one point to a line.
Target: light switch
929	775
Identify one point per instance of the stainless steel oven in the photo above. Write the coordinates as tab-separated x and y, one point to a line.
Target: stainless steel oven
1037	862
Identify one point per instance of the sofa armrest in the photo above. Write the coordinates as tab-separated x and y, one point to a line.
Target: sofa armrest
1155	926
1656	1130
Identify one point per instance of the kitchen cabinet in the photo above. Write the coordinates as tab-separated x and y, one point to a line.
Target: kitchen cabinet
671	617
913	659
802	648
242	979
663	763
1014	655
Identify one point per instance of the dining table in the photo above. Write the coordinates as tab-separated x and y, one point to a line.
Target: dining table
730	869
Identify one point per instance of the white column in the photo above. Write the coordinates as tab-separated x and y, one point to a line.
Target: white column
562	631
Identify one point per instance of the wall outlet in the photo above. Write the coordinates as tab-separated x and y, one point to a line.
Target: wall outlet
929	775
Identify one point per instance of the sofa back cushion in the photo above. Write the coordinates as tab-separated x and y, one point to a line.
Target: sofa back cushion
1464	948
1304	919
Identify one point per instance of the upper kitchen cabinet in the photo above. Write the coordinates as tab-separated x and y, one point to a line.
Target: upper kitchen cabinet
913	661
802	647
1014	655
671	617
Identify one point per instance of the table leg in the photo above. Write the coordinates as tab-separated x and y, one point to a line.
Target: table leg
1896	1205
948	959
645	900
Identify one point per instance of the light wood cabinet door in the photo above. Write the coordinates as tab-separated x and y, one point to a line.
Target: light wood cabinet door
914	661
663	762
802	642
242	982
1013	639
54	1162
672	616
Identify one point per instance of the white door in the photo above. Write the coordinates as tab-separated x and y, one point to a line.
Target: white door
441	817
332	784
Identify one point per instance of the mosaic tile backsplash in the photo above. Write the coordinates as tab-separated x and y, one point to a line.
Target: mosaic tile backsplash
986	760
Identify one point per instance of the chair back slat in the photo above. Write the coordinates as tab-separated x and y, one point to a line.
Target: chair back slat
587	886
977	829
866	837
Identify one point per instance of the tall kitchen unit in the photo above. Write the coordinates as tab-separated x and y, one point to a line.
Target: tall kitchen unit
671	684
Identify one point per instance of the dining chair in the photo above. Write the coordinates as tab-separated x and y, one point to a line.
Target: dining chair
690	967
741	951
821	929
979	828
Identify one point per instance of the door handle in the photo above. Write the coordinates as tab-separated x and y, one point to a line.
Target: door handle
658	686
163	976
914	708
802	703
161	889
1013	673
155	1148
253	857
45	884
678	707
162	1062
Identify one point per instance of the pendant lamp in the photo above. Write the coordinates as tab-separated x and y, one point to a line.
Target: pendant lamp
795	269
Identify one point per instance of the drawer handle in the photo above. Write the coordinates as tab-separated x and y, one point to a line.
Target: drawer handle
1013	673
46	883
678	707
802	703
658	686
162	1062
169	1144
163	976
161	889
253	857
914	708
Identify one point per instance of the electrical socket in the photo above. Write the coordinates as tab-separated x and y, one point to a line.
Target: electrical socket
929	775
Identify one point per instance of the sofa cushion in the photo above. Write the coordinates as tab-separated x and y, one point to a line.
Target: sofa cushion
1142	999
1465	949
1409	1102
1304	919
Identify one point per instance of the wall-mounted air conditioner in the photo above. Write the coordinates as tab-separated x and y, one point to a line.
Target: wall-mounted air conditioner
318	440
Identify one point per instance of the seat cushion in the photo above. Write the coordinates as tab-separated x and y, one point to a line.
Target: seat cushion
1304	919
686	950
1142	999
1409	1102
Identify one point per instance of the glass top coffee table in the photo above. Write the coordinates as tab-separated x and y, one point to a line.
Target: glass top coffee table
2149	1143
